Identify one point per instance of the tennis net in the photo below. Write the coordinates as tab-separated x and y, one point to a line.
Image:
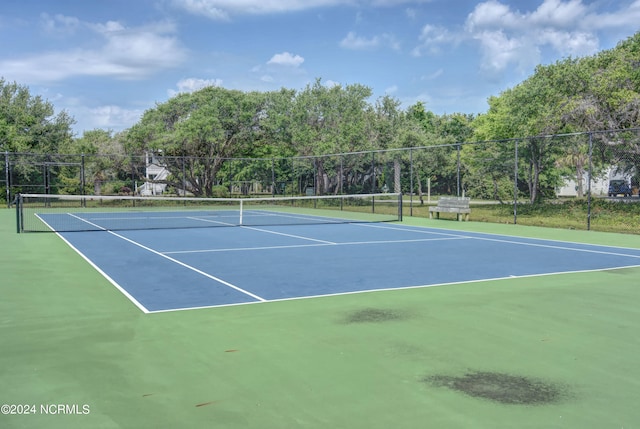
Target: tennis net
65	213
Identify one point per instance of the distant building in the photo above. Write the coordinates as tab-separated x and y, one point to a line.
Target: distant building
599	185
154	172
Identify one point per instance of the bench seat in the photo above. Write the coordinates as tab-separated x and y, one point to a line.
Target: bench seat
457	205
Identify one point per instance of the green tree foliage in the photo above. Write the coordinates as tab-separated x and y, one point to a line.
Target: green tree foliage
436	165
527	110
330	120
607	94
203	129
572	95
106	167
29	123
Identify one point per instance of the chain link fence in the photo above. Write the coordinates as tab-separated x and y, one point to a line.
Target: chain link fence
588	175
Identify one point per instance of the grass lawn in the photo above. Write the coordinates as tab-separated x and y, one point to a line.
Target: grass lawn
607	215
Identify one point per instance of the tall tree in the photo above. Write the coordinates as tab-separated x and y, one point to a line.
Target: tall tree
527	111
104	161
330	120
572	95
203	129
29	123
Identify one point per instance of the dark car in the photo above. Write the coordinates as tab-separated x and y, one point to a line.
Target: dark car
619	187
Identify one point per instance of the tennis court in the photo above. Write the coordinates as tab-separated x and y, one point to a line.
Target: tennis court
164	259
320	324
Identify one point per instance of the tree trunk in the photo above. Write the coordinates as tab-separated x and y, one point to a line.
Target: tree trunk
496	195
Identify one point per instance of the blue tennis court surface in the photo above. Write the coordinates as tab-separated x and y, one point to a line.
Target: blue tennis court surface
177	269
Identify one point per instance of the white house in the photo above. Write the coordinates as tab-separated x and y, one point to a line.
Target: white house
599	185
154	171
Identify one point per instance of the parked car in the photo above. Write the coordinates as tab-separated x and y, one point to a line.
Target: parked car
619	187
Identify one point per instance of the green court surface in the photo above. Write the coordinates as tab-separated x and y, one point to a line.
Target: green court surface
557	351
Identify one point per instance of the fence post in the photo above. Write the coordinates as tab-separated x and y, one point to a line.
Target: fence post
82	180
316	179
458	168
341	183
18	213
82	177
373	172
273	177
184	176
46	176
133	175
7	177
589	184
411	182
515	185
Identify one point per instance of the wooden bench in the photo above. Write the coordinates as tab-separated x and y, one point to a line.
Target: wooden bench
457	205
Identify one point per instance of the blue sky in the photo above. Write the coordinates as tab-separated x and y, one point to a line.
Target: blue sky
107	61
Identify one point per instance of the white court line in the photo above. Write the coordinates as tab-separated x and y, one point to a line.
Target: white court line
219	280
210	221
289	235
293	246
462	282
512	241
549	246
452	235
105	275
268	231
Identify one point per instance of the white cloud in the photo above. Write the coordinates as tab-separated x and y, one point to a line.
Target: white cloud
352	41
392	3
510	37
492	14
499	51
330	83
432	38
575	44
193	84
143	49
286	59
110	117
113	117
558	14
355	42
507	36
209	9
225	9
432	76
126	53
281	69
59	24
624	18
